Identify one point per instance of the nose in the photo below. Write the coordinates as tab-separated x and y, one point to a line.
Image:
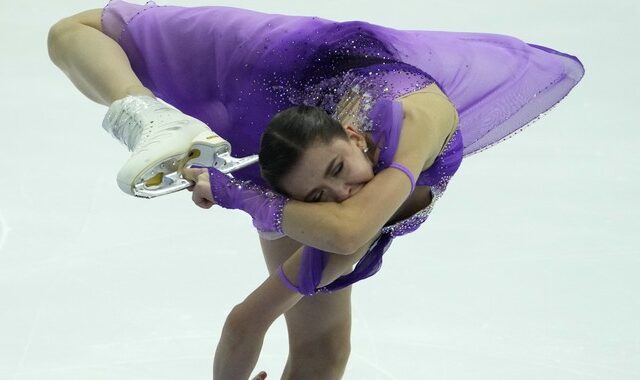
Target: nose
343	191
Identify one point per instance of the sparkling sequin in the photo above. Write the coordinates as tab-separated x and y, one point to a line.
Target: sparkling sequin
246	66
443	169
352	96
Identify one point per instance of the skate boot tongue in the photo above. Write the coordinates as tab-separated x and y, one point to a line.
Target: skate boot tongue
160	138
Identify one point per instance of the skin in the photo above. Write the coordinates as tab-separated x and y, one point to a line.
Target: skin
95	64
318	349
351	170
99	68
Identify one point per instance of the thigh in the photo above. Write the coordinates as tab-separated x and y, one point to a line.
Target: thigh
318	321
92	18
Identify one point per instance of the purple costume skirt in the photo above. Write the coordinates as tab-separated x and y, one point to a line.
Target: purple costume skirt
234	69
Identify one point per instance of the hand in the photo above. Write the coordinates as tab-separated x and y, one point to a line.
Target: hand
261	376
264	205
201	188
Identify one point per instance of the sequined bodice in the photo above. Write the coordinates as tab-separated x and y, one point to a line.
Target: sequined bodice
234	69
366	96
373	88
437	176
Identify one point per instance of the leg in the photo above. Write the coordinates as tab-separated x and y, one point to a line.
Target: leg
319	327
94	62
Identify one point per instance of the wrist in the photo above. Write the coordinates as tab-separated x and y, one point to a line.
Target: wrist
264	205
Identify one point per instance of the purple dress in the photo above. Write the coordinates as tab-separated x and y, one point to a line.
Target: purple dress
234	69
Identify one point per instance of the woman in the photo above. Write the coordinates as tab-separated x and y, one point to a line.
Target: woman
403	105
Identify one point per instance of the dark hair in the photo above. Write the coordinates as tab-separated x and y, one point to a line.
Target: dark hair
288	135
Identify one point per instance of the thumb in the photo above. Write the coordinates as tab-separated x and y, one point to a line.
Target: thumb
192	174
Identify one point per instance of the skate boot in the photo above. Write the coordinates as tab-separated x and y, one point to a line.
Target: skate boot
163	140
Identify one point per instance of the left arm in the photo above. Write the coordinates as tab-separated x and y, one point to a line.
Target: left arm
429	118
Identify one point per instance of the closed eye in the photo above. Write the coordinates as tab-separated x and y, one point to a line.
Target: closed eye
317	198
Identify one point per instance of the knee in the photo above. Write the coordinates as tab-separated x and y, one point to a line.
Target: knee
319	361
321	353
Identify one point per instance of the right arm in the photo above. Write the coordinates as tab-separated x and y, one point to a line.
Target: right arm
335	227
342	228
98	66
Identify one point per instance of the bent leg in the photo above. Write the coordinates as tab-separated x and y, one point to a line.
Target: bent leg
93	61
319	326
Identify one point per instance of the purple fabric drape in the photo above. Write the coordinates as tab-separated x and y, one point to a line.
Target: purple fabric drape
234	69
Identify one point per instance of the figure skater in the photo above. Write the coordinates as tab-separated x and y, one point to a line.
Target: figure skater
359	129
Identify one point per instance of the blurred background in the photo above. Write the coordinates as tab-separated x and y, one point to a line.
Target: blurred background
527	268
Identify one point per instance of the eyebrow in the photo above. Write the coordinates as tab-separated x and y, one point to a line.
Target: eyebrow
326	173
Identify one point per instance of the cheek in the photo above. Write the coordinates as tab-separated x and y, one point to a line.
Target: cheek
362	171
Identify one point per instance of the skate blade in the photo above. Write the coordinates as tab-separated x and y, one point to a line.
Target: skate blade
207	150
211	150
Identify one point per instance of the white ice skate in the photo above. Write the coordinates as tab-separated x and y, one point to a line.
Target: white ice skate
162	141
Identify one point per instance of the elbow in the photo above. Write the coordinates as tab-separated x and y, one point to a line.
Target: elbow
350	240
351	234
243	321
236	322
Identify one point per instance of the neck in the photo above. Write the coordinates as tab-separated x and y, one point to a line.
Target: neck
374	153
375	156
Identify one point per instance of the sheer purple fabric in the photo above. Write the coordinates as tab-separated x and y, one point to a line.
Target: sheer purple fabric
310	274
234	69
406	171
264	206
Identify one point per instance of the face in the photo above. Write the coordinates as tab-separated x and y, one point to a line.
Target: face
330	172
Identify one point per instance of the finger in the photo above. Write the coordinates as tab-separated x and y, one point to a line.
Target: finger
203	189
199	200
203	203
192	173
202	196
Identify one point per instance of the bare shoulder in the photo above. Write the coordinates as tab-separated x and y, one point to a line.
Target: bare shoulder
430	119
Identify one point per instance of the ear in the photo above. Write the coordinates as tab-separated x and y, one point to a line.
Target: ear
355	136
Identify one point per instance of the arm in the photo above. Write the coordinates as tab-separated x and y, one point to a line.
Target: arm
340	227
100	69
244	330
94	62
429	118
